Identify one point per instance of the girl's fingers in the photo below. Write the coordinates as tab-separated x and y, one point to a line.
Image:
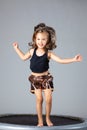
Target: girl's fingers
15	44
79	57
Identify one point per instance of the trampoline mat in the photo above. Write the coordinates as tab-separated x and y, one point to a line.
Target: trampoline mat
31	120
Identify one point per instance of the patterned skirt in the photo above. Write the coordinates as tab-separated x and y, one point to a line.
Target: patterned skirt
41	82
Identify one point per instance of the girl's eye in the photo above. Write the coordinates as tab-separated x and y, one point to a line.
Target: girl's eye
43	39
38	39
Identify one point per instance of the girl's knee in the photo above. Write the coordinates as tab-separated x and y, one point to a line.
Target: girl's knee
39	99
48	99
48	95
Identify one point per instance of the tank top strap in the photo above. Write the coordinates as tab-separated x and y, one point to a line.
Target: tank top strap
47	53
34	53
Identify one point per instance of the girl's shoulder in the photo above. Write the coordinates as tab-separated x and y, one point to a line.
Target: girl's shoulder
31	51
49	54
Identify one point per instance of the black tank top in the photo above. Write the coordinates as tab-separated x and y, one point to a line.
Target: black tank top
39	64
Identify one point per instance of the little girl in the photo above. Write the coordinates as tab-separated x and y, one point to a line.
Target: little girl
43	40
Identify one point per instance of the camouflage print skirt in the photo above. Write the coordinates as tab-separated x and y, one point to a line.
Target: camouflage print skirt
41	82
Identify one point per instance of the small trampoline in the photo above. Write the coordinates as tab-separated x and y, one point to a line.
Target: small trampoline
29	122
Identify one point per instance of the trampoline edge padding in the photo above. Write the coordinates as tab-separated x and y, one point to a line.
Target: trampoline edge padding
11	126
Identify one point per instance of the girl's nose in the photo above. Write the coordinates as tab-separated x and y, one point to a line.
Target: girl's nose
40	41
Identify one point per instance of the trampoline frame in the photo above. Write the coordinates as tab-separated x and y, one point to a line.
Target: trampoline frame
79	126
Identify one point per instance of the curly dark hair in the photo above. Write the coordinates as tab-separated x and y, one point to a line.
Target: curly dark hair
51	44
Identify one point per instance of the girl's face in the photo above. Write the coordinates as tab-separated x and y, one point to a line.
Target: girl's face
41	39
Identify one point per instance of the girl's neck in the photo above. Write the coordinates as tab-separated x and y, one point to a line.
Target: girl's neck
41	50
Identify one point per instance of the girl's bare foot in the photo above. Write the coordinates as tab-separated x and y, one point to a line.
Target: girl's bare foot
40	124
49	123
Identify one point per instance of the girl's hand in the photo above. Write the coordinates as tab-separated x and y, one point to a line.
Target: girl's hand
78	58
15	45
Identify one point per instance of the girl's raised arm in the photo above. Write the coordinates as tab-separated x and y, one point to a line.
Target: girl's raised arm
77	58
20	53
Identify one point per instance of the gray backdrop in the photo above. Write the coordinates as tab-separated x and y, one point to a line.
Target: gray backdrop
17	19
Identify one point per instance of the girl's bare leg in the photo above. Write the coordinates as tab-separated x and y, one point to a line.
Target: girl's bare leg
39	101
48	98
